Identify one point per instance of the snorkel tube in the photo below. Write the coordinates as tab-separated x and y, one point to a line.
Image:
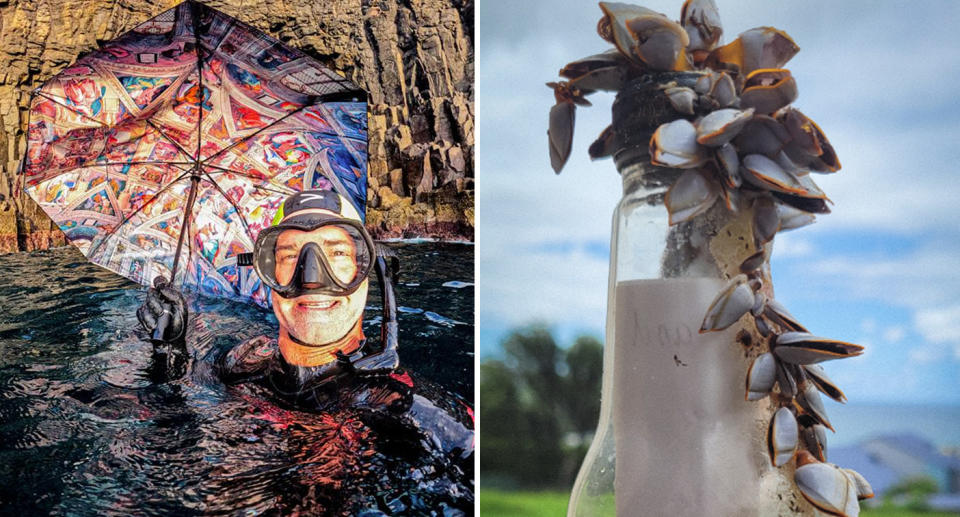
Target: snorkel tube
387	267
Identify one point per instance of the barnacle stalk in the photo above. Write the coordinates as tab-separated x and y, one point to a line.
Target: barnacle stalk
711	388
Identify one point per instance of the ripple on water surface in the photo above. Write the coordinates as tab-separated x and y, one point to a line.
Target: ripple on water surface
87	428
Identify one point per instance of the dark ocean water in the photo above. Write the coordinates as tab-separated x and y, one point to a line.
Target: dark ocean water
90	425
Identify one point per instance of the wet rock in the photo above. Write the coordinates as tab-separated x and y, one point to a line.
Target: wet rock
415	59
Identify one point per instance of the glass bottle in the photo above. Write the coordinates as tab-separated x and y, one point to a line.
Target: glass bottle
676	436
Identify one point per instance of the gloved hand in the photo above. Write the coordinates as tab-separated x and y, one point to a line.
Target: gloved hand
164	313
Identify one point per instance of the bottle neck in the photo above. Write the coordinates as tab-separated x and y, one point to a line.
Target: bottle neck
641	178
648	246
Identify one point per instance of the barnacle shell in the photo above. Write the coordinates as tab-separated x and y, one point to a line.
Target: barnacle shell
723	91
766	173
783	435
762	135
824	383
864	490
575	69
814	438
761	376
767	90
792	218
762	47
604	145
809	146
674	144
809	400
560	134
701	20
605	71
778	313
753	262
759	303
566	92
733	302
645	35
729	165
813	205
731	196
785	379
690	195
705	82
828	488
803	348
812	189
720	126
682	99
766	220
612	27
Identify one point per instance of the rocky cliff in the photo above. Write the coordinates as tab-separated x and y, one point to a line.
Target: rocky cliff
415	57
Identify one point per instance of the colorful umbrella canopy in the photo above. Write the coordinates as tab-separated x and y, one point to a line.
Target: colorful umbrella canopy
167	150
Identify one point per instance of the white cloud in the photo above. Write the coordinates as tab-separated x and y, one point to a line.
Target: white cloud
556	287
792	245
940	324
924	355
894	334
923	278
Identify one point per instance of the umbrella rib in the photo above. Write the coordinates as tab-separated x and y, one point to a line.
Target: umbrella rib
168	139
246	227
135	212
185	225
279	189
84	115
148	162
344	137
194	9
257	132
110	164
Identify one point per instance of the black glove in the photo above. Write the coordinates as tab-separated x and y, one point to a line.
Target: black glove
164	313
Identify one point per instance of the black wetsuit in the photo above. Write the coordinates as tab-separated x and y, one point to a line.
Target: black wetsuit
418	438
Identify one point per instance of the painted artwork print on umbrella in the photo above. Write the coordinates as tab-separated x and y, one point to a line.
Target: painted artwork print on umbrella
190	102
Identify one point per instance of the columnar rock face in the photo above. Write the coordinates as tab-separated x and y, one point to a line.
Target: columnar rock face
415	57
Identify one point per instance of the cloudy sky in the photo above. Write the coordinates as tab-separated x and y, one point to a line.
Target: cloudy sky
883	270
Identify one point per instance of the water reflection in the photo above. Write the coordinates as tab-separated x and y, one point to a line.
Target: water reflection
94	421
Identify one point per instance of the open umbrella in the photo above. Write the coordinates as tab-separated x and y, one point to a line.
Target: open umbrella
167	150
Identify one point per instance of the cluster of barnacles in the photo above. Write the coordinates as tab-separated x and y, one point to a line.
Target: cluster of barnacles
736	138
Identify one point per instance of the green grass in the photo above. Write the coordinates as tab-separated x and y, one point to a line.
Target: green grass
899	512
494	503
499	503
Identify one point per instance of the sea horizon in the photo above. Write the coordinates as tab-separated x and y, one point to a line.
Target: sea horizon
857	422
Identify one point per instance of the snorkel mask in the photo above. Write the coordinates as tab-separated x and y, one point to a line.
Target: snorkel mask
329	252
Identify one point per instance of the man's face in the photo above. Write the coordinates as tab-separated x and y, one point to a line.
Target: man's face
318	319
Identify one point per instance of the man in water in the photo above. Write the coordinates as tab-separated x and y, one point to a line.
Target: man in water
316	259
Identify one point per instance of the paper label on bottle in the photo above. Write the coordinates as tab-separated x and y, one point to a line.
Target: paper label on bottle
681	425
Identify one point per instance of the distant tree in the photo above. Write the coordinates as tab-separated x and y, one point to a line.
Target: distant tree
912	493
531	401
582	394
534	355
518	438
499	413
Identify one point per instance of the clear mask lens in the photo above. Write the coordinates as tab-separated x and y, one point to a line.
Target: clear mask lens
341	247
331	258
